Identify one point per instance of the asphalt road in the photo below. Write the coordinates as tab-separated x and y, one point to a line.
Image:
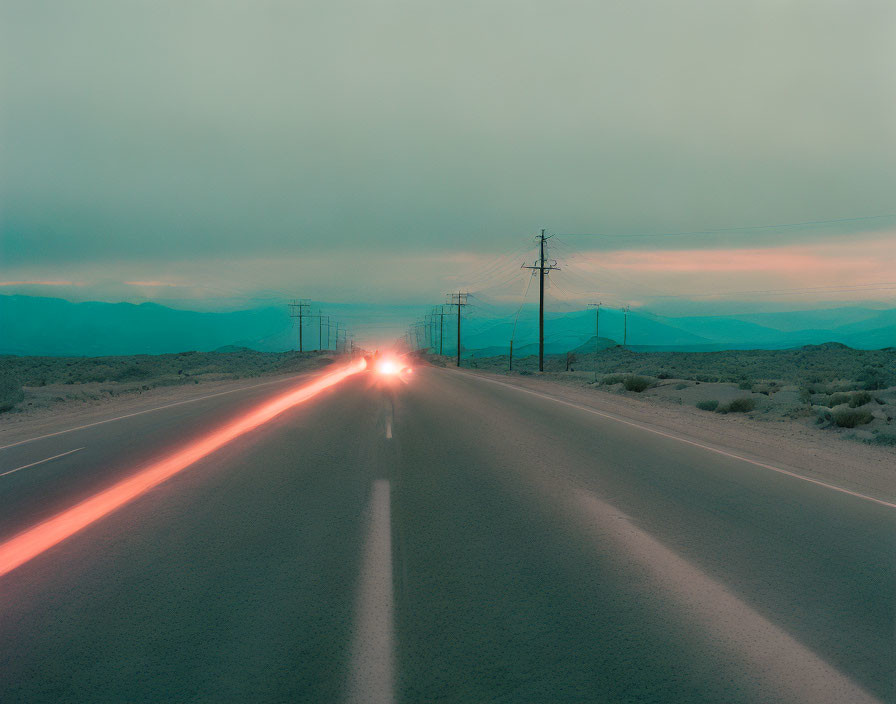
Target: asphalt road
440	539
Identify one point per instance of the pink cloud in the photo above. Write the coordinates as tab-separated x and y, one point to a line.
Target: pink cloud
150	283
788	261
846	262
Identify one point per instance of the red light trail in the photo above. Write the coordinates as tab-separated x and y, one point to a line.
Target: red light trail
33	541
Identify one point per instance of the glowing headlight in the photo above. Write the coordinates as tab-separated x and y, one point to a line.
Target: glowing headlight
387	366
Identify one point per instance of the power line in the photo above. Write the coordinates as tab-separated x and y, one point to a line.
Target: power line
516	319
297	310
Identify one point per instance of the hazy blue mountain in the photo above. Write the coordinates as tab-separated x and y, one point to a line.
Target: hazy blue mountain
725	329
821	319
50	326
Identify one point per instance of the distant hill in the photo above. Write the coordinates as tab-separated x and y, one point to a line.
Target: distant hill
855	327
51	326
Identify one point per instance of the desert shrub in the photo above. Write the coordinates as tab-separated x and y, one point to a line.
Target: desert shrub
680	386
745	385
741	405
851	418
133	373
708	405
873	379
664	375
525	372
613	379
636	383
837	399
859	398
10	392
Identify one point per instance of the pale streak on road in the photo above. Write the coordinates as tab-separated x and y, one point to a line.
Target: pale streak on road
46	459
773	655
372	678
672	436
33	541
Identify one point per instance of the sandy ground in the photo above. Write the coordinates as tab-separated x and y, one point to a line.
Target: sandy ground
790	445
37	420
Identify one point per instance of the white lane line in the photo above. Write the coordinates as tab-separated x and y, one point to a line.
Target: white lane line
681	439
147	410
33	464
372	674
772	659
389	427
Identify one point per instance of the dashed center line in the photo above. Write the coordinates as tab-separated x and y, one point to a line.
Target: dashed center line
34	464
372	675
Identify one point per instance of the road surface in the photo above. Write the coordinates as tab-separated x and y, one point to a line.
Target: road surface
441	538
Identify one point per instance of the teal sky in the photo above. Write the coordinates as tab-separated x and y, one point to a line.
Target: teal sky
214	153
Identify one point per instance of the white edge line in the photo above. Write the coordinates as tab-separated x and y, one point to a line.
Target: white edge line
680	439
54	457
146	410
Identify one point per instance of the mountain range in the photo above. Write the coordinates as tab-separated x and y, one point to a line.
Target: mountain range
51	326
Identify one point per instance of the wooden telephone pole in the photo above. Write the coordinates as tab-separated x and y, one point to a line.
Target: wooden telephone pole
596	307
458	299
297	310
544	268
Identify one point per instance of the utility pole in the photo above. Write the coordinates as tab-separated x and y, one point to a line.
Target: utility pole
320	330
331	326
542	269
297	310
510	366
428	337
624	325
596	307
458	299
441	315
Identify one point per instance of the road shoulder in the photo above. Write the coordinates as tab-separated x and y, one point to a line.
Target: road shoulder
852	466
16	427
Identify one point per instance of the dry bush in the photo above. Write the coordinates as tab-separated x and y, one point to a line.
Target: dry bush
636	383
859	398
10	392
739	405
852	418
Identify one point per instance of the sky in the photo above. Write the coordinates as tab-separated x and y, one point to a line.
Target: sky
218	154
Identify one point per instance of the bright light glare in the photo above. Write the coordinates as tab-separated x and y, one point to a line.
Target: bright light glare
387	366
43	536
